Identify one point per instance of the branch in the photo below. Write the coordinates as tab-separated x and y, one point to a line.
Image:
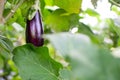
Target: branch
114	3
13	10
2	3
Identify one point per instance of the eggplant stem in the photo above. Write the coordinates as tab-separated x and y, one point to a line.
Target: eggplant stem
37	4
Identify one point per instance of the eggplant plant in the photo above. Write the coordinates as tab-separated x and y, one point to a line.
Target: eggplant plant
34	29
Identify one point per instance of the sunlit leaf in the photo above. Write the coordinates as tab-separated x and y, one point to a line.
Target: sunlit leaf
49	2
71	6
91	12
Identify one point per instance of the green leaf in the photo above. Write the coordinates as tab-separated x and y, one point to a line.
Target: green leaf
87	61
74	20
85	29
6	47
49	2
17	17
6	43
25	6
113	27
42	5
7	9
91	12
57	21
65	74
1	62
34	63
13	1
71	6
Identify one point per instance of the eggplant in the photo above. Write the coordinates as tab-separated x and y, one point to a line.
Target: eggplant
34	30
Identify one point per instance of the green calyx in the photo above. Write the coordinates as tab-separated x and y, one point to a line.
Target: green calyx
33	9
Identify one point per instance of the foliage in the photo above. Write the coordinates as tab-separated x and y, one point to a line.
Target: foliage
36	61
73	50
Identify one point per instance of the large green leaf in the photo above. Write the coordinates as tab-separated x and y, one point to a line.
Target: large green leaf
65	74
87	61
59	21
71	6
34	63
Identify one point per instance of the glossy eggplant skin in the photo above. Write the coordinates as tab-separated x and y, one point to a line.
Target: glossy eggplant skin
34	30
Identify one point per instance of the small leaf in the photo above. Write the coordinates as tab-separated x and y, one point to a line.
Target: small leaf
6	44
91	12
6	47
34	63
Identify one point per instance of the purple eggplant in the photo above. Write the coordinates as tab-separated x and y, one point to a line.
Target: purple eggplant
34	30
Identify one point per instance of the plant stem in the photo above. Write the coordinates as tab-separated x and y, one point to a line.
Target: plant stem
13	10
114	3
36	5
2	3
